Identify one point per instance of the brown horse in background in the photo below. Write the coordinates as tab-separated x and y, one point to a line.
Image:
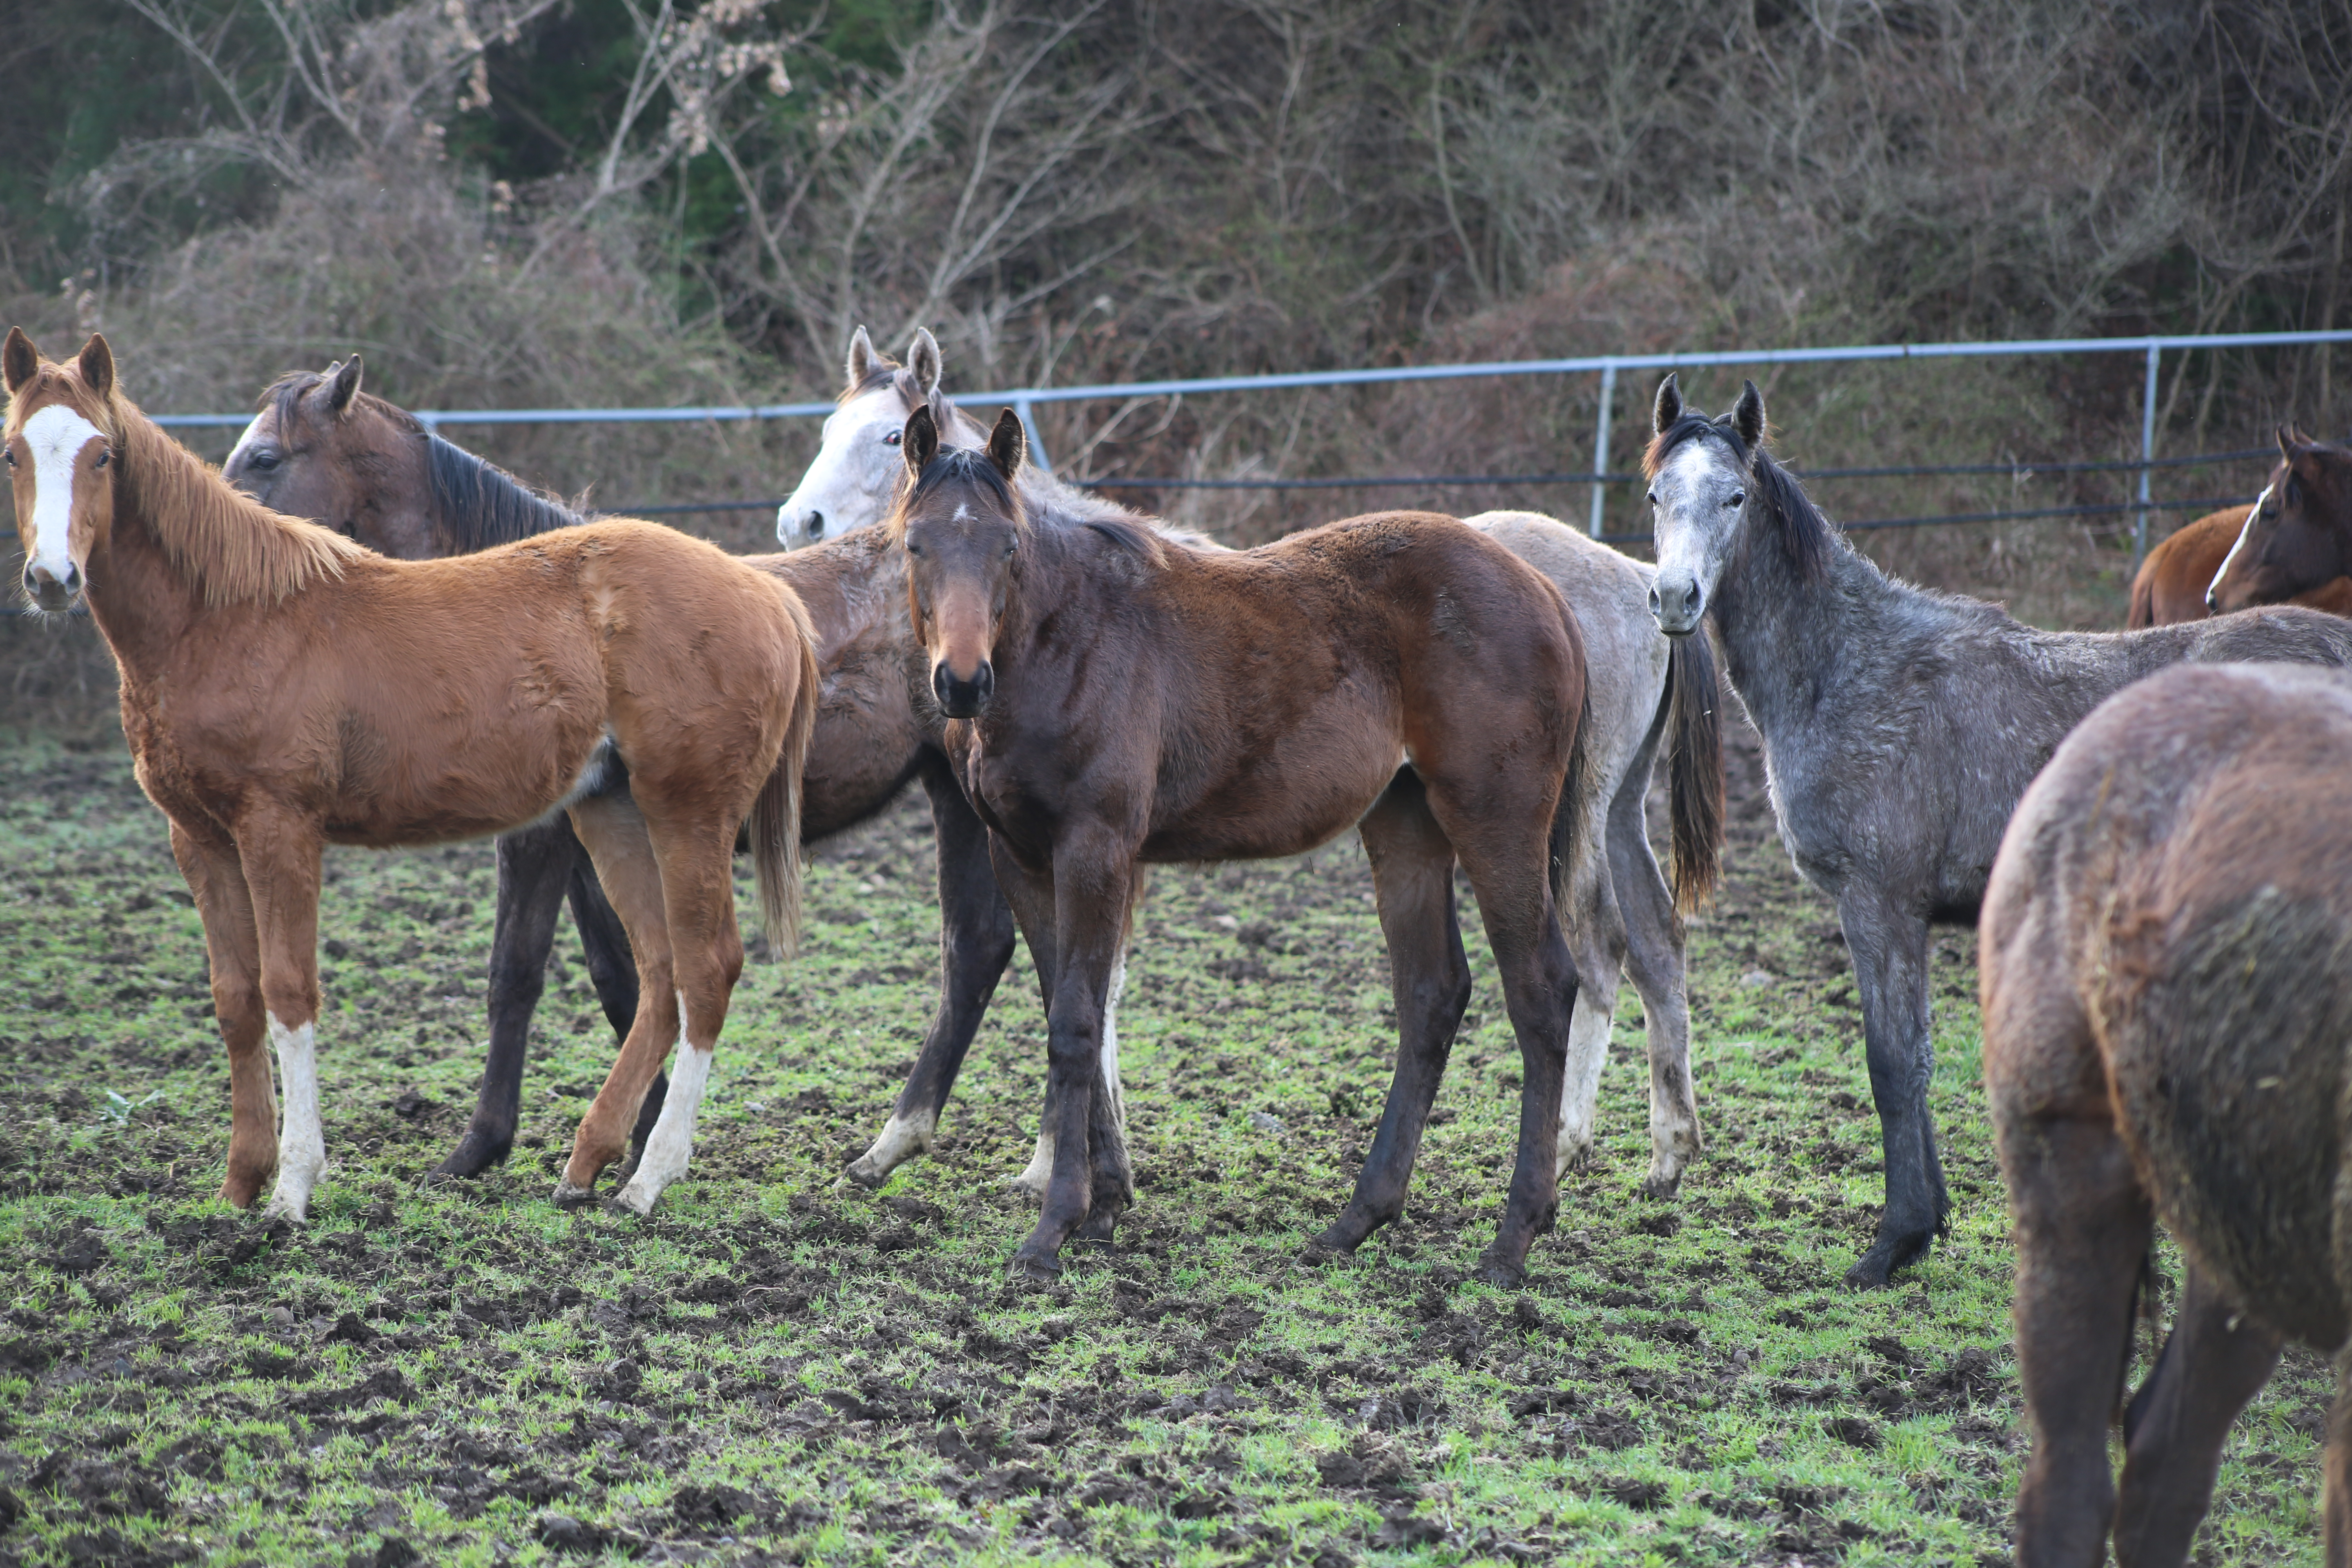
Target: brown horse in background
2299	533
2179	580
2165	1006
284	688
1123	700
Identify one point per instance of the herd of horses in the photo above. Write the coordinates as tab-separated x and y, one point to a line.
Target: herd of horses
357	633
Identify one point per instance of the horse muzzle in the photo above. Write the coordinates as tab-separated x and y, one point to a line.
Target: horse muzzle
960	697
1677	604
49	591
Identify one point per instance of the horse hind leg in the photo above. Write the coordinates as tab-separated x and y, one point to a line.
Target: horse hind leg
280	856
1654	963
1413	878
2214	1361
613	830
697	860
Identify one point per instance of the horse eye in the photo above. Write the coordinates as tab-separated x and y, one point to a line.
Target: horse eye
263	459
1738	498
893	438
1652	498
99	461
913	548
11	458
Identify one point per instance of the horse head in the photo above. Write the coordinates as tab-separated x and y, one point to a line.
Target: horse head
2294	538
1701	482
961	520
851	480
321	449
60	440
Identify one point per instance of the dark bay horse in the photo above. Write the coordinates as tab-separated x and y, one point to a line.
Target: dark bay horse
1900	727
2297	534
2181	578
2166	1007
1648	695
284	688
1122	700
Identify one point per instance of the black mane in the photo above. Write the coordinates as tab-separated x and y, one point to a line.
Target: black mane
479	504
1789	512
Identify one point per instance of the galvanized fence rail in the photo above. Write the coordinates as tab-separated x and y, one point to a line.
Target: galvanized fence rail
1608	367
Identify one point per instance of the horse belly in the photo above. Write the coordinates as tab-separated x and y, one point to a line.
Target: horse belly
1304	792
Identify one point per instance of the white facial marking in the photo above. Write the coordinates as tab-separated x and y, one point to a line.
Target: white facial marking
302	1140
2252	512
244	441
963	513
850	482
56	436
672	1142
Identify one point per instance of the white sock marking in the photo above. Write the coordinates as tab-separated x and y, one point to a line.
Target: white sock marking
1588	1052
302	1142
902	1137
672	1142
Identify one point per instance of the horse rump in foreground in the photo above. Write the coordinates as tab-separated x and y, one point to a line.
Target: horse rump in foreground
1122	700
1900	728
2181	578
284	688
2165	1006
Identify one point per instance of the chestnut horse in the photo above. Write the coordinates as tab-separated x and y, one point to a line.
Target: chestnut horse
2298	533
284	688
1123	700
2166	1005
2181	579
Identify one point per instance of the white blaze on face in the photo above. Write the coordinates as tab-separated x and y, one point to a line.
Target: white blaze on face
850	482
302	1142
244	442
56	436
2253	512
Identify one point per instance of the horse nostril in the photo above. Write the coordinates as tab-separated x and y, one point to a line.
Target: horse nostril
816	525
1655	602
73	579
984	682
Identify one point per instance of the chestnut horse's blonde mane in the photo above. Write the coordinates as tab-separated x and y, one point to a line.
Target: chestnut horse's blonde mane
233	548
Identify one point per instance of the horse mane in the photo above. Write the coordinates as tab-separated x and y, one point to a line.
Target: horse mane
234	549
478	504
1789	513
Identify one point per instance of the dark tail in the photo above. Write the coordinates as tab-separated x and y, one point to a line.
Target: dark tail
1694	768
1575	792
776	814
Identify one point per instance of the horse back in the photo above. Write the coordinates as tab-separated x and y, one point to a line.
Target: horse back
2189	855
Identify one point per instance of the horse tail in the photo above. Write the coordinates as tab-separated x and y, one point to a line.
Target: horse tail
1577	792
776	813
1694	768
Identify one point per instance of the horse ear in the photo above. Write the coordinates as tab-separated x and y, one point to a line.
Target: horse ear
921	443
18	359
344	386
863	360
923	359
2289	438
1748	416
95	363
1668	408
1008	444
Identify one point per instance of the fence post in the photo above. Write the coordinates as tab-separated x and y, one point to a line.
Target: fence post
1029	426
2146	456
1600	443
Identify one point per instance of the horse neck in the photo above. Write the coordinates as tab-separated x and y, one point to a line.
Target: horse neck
474	504
1784	633
143	603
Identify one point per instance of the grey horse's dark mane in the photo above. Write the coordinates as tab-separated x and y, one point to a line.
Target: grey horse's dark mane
1789	514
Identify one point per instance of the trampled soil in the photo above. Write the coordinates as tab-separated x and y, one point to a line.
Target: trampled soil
772	1369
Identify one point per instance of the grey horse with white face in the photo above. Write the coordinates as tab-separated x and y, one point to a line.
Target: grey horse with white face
1900	728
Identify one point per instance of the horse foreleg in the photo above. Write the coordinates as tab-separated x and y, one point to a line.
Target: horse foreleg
534	866
1889	945
2213	1361
975	946
613	831
281	854
233	951
1412	878
1114	1177
1030	897
1654	963
1093	875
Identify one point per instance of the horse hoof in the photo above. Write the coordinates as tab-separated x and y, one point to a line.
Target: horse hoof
568	1196
1037	1267
1502	1273
288	1210
1877	1267
866	1173
1656	1186
1328	1247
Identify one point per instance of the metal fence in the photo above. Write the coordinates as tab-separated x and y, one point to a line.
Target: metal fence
1024	400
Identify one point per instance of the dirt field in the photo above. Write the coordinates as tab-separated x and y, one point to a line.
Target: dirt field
772	1370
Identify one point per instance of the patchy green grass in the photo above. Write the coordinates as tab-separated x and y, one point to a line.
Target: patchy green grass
772	1369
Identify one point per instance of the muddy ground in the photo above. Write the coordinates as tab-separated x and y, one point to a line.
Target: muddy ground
774	1370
